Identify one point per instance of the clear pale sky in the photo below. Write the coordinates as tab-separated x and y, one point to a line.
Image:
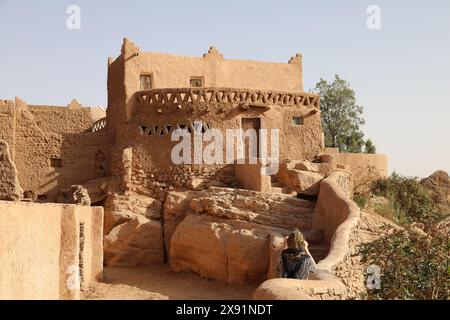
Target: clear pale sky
401	73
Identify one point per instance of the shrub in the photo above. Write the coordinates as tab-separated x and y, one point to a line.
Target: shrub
361	200
408	198
387	211
412	266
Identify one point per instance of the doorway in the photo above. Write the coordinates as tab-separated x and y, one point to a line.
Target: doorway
251	138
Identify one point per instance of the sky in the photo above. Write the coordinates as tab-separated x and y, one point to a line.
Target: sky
400	72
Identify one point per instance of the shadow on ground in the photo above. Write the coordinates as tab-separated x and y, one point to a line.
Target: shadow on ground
161	283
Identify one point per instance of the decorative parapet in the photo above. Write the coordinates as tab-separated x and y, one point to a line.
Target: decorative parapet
228	95
214	53
129	49
74	105
297	59
99	125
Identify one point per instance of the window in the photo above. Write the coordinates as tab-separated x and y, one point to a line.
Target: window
196	82
297	121
146	82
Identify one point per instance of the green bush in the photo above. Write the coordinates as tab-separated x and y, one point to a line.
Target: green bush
412	267
408	198
387	211
361	200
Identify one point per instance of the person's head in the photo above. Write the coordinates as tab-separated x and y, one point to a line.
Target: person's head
296	240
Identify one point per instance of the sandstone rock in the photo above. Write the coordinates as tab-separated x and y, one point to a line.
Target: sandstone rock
215	183
10	189
74	195
231	235
132	231
275	210
233	252
114	218
176	206
196	184
134	243
438	185
137	204
306	166
98	189
304	182
325	168
197	205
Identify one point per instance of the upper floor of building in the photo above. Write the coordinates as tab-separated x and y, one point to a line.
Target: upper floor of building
134	71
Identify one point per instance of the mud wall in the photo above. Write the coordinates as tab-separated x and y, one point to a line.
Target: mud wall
40	250
8	124
365	168
53	147
149	131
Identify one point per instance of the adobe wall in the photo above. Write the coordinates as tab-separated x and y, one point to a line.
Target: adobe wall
8	124
131	114
10	189
40	249
53	147
61	119
334	205
116	111
148	135
365	168
171	71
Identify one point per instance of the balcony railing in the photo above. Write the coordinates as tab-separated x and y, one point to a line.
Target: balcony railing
227	95
99	125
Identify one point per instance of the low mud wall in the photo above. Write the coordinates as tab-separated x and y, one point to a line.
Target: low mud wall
337	217
49	251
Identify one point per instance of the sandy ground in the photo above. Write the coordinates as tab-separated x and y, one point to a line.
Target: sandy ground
160	283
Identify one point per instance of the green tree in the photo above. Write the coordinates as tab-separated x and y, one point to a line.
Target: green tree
341	116
354	142
370	147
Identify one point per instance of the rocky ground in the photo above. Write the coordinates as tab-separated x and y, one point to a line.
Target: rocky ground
160	283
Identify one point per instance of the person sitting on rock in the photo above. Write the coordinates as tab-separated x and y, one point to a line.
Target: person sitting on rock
296	261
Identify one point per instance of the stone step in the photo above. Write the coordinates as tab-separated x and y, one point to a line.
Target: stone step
319	251
277	185
277	190
301	203
286	190
290	209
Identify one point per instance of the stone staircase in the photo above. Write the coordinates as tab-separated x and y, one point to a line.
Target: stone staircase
304	209
317	246
278	187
